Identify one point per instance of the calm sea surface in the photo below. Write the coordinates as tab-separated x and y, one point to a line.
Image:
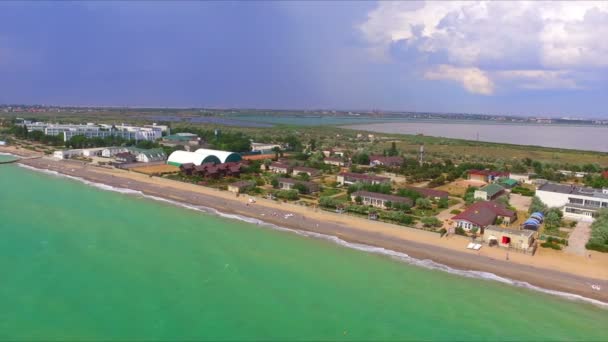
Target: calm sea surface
79	263
561	136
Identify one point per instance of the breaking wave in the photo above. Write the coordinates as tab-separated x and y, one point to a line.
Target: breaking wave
403	257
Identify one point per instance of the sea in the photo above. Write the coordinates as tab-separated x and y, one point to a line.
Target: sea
578	137
92	263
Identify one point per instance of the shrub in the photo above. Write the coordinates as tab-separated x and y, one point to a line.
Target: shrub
455	211
431	222
460	231
594	246
551	245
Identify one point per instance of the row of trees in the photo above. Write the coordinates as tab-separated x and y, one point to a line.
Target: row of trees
599	233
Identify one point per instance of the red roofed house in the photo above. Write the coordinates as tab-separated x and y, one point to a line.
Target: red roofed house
487	175
352	178
605	174
385	161
483	214
312	172
279	168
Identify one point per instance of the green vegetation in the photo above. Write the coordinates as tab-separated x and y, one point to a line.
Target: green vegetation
537	206
469	195
431	221
599	233
523	191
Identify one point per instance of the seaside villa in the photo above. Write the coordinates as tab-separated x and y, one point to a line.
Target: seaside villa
577	203
482	214
487	176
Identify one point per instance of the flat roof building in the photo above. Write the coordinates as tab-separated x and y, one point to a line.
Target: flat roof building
511	239
379	200
577	202
347	178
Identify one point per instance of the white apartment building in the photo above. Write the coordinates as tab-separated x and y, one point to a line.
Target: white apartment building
91	130
577	203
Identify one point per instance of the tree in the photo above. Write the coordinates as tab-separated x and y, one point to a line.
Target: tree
431	221
358	200
537	205
552	220
393	151
361	158
388	204
303	189
443	203
423	203
274	182
599	232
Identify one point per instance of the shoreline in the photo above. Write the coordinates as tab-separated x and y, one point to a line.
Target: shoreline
463	263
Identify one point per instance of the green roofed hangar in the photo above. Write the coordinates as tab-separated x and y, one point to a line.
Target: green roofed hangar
202	155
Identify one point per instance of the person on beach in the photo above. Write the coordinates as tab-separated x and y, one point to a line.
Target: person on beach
507	256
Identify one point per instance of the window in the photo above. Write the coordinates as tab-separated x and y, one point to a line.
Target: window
575	200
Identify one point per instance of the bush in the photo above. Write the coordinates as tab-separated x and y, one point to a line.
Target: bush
328	202
551	245
290	195
442	232
460	231
431	222
594	246
523	191
455	212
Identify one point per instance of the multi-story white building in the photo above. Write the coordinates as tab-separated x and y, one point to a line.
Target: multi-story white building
91	130
578	203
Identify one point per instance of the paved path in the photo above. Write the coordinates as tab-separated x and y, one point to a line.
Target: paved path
578	239
446	214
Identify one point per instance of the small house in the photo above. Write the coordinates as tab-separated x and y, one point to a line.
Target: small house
240	186
348	178
312	172
487	176
290	183
512	239
151	155
277	167
489	192
392	161
334	161
125	157
379	200
482	214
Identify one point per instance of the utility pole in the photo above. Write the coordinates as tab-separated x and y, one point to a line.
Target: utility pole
421	155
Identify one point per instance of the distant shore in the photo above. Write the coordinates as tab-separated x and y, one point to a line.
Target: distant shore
548	270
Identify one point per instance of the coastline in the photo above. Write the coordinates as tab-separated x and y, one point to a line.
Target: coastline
407	244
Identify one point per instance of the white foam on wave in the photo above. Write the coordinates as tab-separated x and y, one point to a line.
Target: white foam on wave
403	257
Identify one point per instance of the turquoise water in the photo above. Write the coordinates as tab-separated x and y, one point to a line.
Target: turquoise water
79	263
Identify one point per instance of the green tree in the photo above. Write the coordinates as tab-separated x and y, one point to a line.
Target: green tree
537	206
552	220
358	200
388	204
423	203
443	203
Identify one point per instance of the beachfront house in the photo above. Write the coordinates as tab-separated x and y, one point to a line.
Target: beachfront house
482	214
392	161
240	186
379	200
348	178
93	152
312	172
151	155
489	192
486	176
277	167
577	202
290	183
67	154
511	239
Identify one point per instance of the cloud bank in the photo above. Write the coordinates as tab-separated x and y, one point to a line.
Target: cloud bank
489	47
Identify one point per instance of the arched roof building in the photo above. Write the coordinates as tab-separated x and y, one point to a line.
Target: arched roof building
178	158
222	156
201	156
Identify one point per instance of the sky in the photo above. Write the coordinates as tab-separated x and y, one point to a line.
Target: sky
501	57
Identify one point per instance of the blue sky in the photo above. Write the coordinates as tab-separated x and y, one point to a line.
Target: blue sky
539	58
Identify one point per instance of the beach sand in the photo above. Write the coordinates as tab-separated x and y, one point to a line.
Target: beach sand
547	269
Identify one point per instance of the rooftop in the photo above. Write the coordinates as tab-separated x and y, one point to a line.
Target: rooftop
524	232
574	190
364	176
492	189
484	213
426	192
385	197
489	173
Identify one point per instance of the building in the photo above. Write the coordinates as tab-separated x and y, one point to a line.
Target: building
348	178
577	203
312	172
378	200
290	183
278	167
521	178
507	183
334	161
430	193
187	168
240	186
392	161
489	192
148	156
91	130
125	157
201	156
487	176
482	214
264	147
68	154
511	239
110	152
93	152
212	170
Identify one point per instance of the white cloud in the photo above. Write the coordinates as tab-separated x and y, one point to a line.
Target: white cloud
473	80
499	38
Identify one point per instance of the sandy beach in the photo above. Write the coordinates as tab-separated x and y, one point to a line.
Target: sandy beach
548	269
